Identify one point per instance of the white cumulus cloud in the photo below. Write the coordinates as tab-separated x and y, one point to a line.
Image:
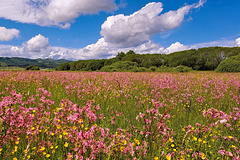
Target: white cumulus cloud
139	27
37	43
238	41
52	12
8	34
175	47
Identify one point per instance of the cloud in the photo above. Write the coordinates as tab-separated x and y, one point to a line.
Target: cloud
63	11
8	34
36	47
139	27
220	43
175	47
52	12
200	4
37	43
238	41
39	47
99	50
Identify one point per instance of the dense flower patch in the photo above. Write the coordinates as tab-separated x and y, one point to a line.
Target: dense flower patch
94	115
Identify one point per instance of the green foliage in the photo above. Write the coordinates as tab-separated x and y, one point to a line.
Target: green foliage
120	56
231	64
201	59
87	65
120	66
182	68
184	61
130	52
145	60
63	67
33	68
152	69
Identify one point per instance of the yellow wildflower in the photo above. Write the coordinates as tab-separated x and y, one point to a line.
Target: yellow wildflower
80	121
15	148
65	133
133	145
195	138
42	148
14	158
137	141
48	155
155	158
203	156
66	144
168	157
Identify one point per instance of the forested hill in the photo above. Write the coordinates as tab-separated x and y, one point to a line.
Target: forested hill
24	62
197	59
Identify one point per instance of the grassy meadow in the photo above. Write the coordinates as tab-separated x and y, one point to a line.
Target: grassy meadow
107	116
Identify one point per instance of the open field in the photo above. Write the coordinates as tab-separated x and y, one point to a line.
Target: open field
11	69
96	115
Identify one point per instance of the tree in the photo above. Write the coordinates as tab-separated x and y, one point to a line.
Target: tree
63	67
130	52
120	56
231	64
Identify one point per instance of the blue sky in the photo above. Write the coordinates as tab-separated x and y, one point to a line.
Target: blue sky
93	29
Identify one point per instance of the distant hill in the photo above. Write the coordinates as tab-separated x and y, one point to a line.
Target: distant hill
24	62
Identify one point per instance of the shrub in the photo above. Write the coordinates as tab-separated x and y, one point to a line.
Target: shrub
231	64
30	67
182	68
165	69
152	69
35	68
119	66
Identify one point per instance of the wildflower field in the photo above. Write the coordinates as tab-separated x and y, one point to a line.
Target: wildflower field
96	115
